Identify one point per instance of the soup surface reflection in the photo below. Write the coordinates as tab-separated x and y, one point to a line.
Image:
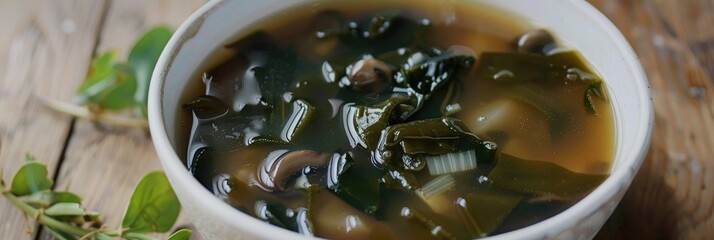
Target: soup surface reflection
401	120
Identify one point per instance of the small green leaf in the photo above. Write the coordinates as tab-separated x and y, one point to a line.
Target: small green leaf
60	235
102	236
109	85
181	234
29	158
31	178
41	199
66	197
143	58
121	94
153	206
93	216
100	77
45	198
65	209
136	236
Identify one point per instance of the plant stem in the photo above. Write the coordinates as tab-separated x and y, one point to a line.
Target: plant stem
83	112
42	218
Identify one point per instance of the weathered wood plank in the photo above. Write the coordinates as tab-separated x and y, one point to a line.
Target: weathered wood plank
45	50
672	196
104	166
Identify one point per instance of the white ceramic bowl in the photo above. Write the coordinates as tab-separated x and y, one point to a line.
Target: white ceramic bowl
576	22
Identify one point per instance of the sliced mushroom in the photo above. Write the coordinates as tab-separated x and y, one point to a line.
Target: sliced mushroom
282	166
537	41
370	76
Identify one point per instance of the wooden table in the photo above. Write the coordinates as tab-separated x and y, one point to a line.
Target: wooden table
46	48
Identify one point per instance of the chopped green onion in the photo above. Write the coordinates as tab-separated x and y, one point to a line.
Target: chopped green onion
437	186
451	162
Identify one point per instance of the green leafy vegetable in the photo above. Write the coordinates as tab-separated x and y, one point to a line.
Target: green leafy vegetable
153	206
110	85
46	198
143	58
100	75
119	96
115	86
61	235
182	234
31	178
541	177
65	209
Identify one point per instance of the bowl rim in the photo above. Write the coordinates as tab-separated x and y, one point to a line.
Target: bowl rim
224	212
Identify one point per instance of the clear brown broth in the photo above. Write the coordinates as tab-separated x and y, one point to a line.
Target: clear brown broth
587	146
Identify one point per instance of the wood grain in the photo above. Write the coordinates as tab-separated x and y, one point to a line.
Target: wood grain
104	165
45	50
673	194
46	47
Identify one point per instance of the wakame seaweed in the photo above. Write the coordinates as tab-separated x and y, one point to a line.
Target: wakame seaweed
374	123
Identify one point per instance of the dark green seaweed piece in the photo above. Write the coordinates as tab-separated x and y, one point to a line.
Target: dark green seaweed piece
594	90
360	192
338	166
201	165
538	177
356	190
486	209
300	117
369	121
207	107
270	70
517	67
560	68
426	74
535	96
409	142
399	180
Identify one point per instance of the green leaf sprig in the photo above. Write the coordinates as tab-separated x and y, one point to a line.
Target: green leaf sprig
113	86
153	207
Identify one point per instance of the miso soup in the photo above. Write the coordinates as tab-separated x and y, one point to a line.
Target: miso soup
397	120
